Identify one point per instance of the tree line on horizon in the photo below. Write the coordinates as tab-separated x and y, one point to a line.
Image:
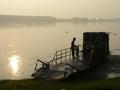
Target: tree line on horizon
18	18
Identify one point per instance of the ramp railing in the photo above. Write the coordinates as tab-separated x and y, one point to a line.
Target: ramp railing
61	56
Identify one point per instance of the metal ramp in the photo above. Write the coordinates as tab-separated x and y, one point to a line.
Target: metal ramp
60	67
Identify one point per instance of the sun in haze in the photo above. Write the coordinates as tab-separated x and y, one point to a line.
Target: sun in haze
14	62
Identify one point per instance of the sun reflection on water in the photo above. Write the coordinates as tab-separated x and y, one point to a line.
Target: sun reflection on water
14	62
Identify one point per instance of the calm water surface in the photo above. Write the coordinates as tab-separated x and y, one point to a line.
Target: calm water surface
21	45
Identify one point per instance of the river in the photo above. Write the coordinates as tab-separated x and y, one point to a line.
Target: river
22	44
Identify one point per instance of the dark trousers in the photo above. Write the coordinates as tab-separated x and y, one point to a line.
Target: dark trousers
73	53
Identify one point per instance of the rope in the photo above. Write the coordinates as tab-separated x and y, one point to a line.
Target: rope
112	33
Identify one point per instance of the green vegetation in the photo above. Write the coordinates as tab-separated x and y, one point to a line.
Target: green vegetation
32	84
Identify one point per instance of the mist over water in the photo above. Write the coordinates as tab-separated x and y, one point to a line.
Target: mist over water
22	44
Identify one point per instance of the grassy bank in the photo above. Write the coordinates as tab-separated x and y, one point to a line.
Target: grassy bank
31	84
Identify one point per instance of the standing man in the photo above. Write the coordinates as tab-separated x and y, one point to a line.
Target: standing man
73	46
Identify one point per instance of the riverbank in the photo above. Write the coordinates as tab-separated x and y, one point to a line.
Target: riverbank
32	84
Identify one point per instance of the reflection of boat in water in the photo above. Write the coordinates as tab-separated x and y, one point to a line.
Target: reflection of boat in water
95	51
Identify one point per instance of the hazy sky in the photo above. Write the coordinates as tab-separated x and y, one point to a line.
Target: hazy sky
62	8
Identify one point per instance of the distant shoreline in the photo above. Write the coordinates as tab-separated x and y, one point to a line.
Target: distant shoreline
38	19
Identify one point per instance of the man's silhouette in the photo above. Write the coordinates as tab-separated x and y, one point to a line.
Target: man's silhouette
73	47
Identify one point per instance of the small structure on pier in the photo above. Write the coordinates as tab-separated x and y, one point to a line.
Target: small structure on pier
95	47
95	51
